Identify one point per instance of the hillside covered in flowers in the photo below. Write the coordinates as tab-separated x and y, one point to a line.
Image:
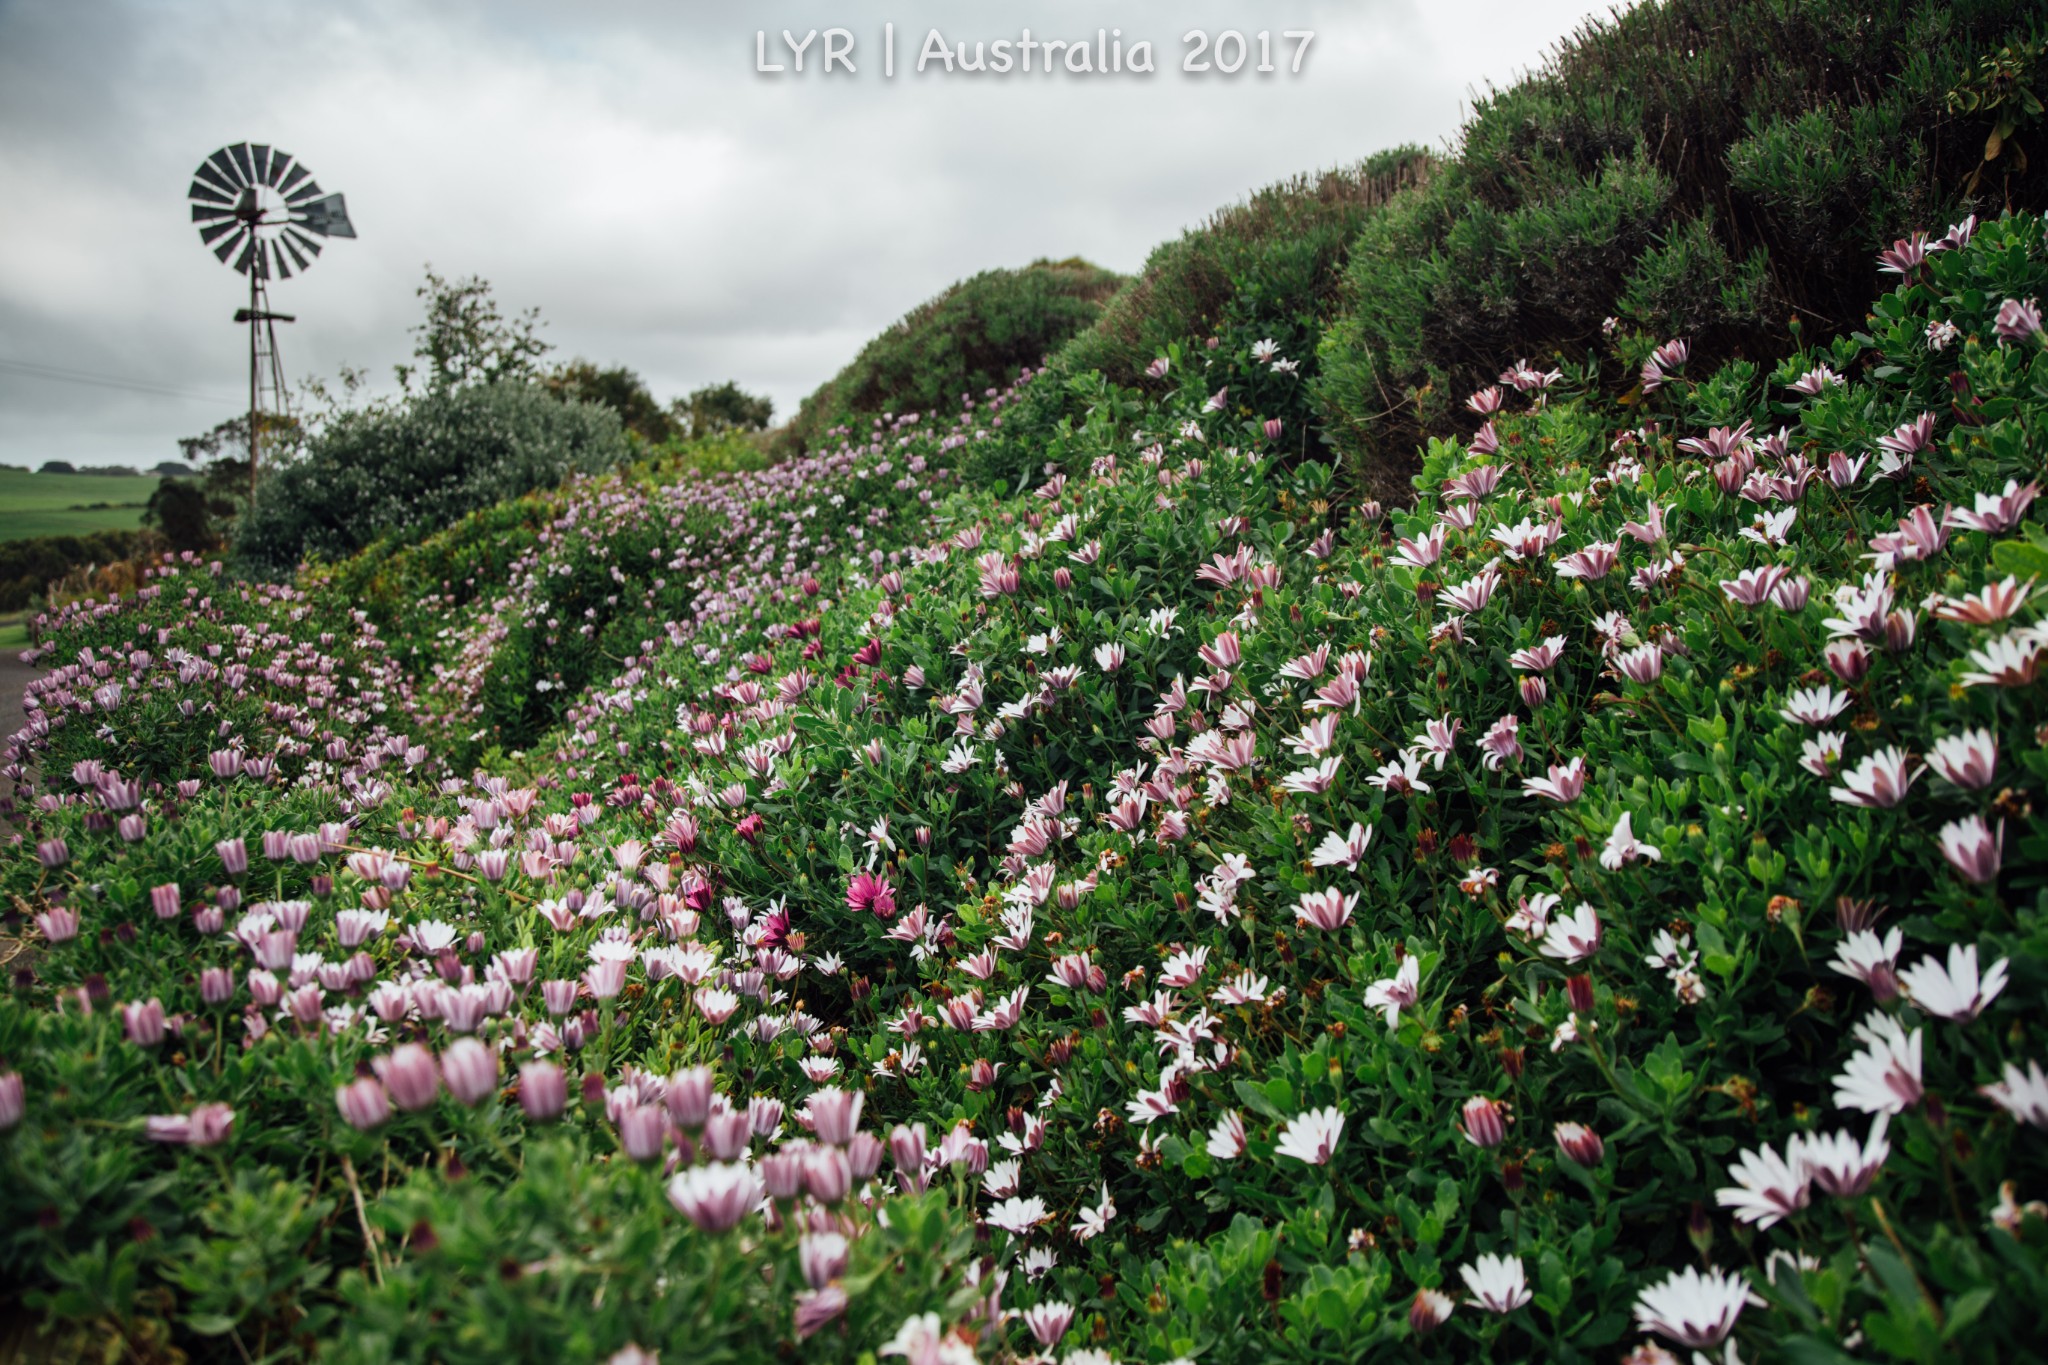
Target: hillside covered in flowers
1596	912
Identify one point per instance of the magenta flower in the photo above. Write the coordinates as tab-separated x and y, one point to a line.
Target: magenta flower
871	894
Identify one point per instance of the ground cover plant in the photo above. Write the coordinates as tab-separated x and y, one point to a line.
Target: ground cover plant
1160	912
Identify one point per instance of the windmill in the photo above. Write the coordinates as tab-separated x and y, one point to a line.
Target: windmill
263	213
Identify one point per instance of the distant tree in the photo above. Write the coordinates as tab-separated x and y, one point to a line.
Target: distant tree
58	467
619	389
113	471
221	456
467	340
180	510
169	469
722	407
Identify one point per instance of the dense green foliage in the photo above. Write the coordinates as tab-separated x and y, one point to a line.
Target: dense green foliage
974	337
1694	167
28	565
417	466
1265	270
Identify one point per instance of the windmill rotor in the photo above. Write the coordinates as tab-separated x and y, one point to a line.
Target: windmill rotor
260	210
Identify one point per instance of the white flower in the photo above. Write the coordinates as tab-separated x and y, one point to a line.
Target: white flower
1884	1078
1838	1163
922	1341
1312	1137
1392	993
1016	1216
1954	993
1574	937
1694	1309
2023	1094
1768	1186
1226	1139
1345	852
1497	1282
1623	848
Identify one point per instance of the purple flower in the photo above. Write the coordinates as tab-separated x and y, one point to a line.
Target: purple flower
13	1099
2018	319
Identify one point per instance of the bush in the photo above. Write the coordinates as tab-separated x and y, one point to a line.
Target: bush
414	468
976	336
30	564
1687	167
1250	288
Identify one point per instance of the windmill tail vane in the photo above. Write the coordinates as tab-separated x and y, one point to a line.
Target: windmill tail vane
262	212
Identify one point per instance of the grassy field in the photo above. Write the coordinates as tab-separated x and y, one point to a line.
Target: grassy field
60	504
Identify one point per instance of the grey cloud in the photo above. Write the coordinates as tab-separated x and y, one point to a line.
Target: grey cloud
621	167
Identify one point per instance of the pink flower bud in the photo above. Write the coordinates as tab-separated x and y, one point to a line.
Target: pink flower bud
1485	1121
1581	1145
362	1103
471	1070
411	1076
543	1091
164	900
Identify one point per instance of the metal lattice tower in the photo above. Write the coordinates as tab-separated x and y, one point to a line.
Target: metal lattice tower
263	213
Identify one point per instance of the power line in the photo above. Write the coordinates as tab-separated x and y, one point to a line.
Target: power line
30	370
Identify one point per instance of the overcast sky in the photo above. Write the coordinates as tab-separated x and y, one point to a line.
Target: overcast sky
622	166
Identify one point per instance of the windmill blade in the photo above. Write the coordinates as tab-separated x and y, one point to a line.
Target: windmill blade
280	162
300	239
328	217
240	153
303	193
210	176
229	174
285	243
283	268
251	257
215	231
259	155
206	193
236	236
290	181
208	213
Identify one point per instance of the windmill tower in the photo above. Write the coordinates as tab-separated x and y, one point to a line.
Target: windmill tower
263	213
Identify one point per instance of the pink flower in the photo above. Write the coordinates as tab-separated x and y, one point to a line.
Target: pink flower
543	1091
470	1069
1327	910
867	892
1484	1121
2018	320
205	1126
1880	781
1581	1145
13	1099
362	1103
411	1076
715	1196
1975	850
1562	784
144	1022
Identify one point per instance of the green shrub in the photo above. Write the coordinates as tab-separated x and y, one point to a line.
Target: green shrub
29	565
1265	270
975	336
412	469
1708	170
